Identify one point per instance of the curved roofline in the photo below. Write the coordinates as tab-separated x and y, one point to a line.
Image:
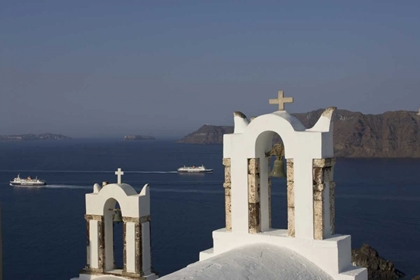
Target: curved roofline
294	122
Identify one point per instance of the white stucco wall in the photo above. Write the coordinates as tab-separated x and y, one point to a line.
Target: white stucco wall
93	243
303	188
129	200
130	247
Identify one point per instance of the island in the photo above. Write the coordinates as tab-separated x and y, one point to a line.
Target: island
394	134
31	137
138	137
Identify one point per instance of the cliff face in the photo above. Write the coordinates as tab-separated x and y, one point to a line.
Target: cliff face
391	134
207	134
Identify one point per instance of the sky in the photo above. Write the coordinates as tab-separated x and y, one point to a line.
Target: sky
164	68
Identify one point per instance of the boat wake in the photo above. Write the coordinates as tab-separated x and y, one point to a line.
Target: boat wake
65	187
379	197
90	171
152	172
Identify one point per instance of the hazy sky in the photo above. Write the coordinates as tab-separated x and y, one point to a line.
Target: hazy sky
164	68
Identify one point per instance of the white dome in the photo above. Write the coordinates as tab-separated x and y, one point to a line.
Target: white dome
259	261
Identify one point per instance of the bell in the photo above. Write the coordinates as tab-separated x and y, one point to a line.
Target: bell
117	217
278	169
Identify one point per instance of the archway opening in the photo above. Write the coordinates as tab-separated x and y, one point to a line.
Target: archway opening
114	236
278	184
269	147
118	238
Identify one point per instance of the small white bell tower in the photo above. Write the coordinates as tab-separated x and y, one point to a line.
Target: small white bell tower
135	212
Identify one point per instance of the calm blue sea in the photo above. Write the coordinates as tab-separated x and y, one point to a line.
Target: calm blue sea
378	202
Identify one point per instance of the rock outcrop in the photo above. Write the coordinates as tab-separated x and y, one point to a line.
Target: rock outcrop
391	134
378	267
207	134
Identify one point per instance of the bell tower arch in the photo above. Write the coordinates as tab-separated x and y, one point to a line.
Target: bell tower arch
100	214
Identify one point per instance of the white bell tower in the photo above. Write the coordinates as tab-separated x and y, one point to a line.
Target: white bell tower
310	190
135	212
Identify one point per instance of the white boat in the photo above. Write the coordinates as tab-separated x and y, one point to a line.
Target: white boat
194	169
27	182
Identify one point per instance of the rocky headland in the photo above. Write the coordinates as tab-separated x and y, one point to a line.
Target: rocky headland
378	267
138	137
31	137
393	134
207	134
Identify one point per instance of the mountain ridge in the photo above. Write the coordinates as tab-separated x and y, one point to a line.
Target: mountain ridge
392	134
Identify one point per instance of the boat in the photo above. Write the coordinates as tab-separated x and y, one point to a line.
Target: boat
27	182
194	169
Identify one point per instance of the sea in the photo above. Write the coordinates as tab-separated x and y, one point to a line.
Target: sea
44	230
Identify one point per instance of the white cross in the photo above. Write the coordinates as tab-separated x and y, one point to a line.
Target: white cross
418	114
119	173
281	100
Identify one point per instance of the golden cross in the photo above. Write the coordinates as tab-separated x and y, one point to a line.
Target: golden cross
281	100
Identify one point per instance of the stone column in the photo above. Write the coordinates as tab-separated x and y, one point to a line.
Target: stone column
254	214
290	198
100	243
228	200
139	249
319	211
324	198
133	243
87	243
101	236
145	246
132	254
